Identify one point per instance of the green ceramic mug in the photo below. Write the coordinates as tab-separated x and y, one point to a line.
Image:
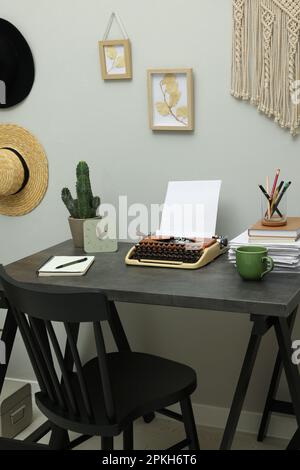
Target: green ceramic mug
253	263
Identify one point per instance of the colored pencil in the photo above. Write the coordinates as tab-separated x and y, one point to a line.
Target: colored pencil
275	183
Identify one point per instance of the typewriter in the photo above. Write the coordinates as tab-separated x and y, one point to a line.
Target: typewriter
171	252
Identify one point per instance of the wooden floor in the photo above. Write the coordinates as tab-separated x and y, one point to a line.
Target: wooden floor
162	433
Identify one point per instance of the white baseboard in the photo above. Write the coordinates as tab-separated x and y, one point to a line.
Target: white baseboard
33	383
281	426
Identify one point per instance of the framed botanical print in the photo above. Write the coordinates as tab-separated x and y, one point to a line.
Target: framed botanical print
171	99
115	59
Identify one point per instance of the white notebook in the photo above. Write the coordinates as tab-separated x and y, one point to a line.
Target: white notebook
52	266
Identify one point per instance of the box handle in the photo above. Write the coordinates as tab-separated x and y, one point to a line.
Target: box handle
17	415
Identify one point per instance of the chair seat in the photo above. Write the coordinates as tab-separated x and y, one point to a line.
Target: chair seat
141	383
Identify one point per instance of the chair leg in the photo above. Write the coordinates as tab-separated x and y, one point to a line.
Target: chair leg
295	442
107	443
59	439
149	418
189	423
128	438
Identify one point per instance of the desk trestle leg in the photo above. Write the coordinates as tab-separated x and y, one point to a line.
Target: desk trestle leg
282	328
273	405
241	390
283	335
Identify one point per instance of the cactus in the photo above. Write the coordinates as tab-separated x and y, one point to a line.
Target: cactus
85	209
69	202
86	205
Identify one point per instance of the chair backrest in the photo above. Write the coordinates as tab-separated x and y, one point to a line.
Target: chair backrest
35	309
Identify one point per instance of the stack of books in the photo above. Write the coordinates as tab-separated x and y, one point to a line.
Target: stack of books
283	243
286	233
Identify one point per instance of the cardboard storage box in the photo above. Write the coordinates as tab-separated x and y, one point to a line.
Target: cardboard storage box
15	408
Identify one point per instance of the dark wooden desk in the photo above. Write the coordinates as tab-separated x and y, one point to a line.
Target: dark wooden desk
215	287
270	303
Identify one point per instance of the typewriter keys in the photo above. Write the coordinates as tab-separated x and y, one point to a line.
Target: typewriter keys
173	250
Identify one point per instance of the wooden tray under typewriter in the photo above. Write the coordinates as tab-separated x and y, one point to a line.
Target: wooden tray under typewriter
210	251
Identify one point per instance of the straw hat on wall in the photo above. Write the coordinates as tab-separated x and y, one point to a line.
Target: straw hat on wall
23	171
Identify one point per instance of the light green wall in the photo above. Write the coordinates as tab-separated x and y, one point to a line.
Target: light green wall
78	116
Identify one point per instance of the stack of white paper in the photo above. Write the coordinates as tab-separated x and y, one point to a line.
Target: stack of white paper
286	255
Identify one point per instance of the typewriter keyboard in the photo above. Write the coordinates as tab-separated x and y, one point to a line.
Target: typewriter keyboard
172	251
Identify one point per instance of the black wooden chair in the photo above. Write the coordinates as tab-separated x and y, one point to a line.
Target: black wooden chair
107	394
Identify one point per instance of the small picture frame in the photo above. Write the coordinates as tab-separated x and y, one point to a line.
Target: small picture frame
115	59
171	99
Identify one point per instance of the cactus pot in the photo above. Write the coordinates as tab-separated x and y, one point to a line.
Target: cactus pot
76	227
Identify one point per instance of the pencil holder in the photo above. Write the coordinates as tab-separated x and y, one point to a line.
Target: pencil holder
274	214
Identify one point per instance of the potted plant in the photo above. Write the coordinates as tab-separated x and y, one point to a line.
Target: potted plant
82	208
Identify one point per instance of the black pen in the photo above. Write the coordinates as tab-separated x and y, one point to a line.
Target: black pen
268	197
280	186
71	263
280	196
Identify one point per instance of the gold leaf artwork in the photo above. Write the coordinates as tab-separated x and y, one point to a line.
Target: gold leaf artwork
117	60
172	87
169	78
120	62
182	112
171	96
111	52
162	108
174	98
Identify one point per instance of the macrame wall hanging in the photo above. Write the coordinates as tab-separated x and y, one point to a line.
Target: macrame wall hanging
266	58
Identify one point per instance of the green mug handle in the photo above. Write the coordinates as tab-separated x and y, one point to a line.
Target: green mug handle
270	264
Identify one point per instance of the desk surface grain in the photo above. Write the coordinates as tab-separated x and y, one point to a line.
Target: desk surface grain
214	287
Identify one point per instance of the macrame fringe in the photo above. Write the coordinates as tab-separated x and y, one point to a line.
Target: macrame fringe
266	57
